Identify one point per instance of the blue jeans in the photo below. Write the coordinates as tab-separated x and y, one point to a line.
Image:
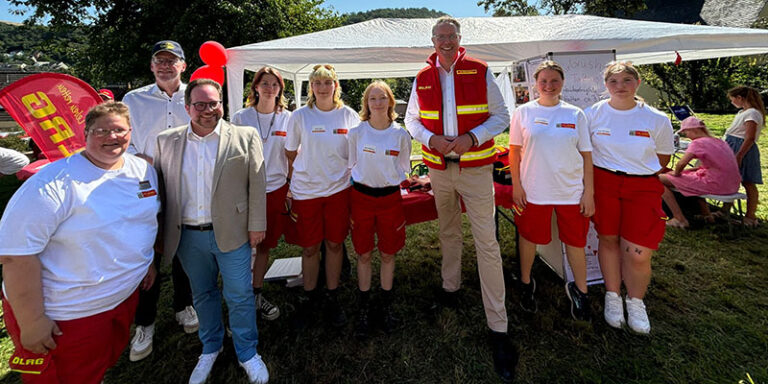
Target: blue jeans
202	261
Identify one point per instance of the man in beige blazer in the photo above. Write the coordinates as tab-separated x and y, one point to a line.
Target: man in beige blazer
214	197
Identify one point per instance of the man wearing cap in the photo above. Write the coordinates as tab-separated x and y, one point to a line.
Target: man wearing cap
106	94
455	111
155	108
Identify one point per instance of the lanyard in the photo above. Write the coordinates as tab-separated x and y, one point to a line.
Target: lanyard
271	123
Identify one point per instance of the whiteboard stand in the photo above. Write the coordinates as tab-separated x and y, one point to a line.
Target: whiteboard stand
553	255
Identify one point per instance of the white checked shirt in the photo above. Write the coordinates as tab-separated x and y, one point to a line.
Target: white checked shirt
496	123
197	176
152	112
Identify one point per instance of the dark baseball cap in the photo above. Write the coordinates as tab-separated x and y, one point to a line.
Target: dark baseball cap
168	46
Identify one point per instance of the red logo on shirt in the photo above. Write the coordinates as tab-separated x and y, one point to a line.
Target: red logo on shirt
640	133
566	125
341	131
149	193
279	133
391	152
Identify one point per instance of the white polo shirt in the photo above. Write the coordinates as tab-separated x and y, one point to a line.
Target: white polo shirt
321	167
152	112
92	229
630	140
273	137
379	157
551	165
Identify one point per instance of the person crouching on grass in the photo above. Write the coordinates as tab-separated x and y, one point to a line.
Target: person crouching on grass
379	156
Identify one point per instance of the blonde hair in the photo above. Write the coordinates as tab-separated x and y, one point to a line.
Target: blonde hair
551	65
253	96
751	96
616	67
365	114
324	71
117	108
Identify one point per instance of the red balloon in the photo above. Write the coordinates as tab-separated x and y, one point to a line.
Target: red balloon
213	54
208	72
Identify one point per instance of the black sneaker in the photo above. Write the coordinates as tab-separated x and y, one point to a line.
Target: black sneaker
304	313
390	323
579	303
363	327
505	356
333	311
527	301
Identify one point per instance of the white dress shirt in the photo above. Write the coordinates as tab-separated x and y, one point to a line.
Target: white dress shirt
152	112
197	176
496	123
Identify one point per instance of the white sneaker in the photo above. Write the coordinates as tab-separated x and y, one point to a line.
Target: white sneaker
256	370
188	319
614	310
141	344
638	318
203	368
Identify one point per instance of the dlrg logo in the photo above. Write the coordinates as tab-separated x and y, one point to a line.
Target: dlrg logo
41	108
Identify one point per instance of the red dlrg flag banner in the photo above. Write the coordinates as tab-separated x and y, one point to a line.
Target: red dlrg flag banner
51	107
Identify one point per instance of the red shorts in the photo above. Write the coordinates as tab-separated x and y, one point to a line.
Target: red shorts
85	350
535	224
322	218
383	216
630	207
277	216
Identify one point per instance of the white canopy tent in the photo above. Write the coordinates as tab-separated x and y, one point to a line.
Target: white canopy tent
386	48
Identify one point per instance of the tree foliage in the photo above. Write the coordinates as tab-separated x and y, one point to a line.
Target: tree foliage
120	33
610	8
402	13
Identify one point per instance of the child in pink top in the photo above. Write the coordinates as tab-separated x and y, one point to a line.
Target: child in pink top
716	174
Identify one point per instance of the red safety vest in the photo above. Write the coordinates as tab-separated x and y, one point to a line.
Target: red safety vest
471	107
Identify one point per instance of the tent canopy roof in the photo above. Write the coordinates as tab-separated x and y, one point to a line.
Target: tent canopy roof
384	48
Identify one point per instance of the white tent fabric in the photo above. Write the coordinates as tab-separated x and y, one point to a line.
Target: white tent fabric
386	48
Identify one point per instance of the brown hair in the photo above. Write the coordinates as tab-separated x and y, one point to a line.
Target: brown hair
196	83
447	20
106	108
615	67
253	96
751	96
324	71
549	64
365	114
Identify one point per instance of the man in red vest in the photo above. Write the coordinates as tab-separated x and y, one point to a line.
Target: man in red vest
455	110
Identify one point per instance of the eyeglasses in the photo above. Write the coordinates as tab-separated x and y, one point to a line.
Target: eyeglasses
105	132
201	106
169	62
451	37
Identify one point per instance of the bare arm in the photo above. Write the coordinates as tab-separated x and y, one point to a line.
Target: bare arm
682	163
663	160
587	203
23	284
518	193
749	140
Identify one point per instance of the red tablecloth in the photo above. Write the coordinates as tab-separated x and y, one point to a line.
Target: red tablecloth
420	206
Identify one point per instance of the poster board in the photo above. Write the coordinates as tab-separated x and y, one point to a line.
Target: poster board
584	84
553	254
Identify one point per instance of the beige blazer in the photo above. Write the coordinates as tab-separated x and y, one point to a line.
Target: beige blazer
238	204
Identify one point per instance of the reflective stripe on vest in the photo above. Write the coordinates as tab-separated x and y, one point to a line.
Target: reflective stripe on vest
471	109
431	115
478	155
431	158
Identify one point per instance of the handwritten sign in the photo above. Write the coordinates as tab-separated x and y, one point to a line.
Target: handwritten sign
584	84
51	108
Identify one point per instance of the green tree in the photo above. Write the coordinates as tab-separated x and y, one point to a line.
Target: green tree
611	8
402	13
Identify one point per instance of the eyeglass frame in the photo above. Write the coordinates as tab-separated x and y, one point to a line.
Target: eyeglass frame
106	132
451	37
169	62
206	105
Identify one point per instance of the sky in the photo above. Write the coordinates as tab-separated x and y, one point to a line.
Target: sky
456	8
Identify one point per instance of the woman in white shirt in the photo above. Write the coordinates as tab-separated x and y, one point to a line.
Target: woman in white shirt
268	115
379	157
320	186
631	144
742	138
551	169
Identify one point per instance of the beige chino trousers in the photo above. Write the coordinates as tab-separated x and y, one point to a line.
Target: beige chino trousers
475	187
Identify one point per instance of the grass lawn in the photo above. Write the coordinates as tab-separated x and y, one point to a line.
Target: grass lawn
707	304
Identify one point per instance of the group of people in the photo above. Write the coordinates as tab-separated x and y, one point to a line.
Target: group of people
164	177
